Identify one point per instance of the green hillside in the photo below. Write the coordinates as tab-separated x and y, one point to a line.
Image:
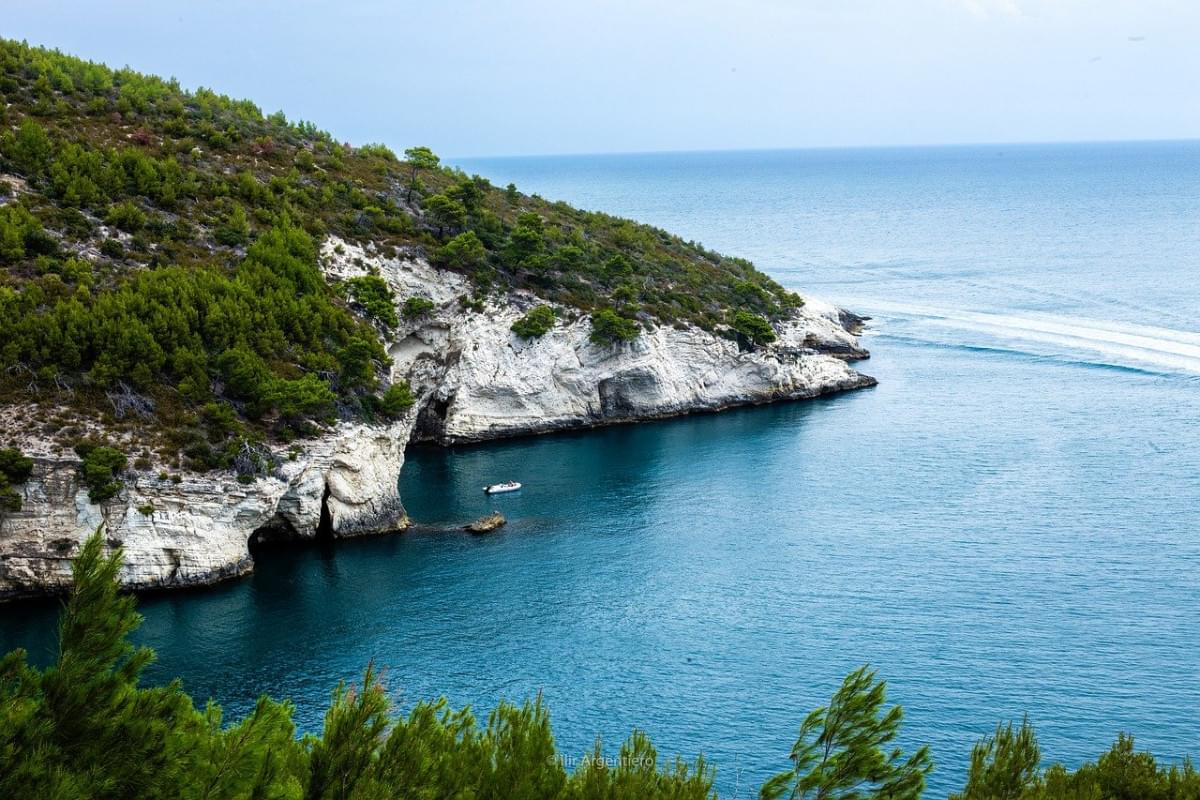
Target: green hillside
159	267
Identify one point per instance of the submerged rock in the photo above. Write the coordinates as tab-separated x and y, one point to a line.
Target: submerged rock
486	524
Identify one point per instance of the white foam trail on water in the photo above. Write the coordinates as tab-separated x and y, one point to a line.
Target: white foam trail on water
1122	343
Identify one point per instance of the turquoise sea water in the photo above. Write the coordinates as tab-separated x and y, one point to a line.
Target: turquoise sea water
1006	525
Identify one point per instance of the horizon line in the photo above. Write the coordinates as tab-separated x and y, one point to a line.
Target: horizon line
790	148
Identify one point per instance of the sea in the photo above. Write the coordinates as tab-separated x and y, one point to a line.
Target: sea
1005	527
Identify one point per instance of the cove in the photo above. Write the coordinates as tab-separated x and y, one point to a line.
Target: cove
1006	524
711	578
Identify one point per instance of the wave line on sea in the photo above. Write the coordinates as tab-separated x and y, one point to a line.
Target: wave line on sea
1168	349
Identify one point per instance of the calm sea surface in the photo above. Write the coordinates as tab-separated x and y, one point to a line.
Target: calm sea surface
1006	525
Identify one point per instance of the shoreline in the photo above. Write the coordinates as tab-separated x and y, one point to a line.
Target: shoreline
244	566
474	382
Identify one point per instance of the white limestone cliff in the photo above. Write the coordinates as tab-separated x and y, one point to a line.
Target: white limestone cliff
474	380
199	530
478	380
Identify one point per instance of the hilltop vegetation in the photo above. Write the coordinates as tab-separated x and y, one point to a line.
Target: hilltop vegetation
159	259
84	727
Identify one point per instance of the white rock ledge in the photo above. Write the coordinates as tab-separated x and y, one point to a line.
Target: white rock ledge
475	380
198	531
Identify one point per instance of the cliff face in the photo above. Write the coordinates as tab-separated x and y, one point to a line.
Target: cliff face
199	530
478	380
475	380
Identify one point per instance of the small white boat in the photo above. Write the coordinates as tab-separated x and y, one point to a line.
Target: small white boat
498	488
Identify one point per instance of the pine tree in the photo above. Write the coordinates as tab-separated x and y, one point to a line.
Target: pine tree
118	740
841	752
419	158
1004	766
354	731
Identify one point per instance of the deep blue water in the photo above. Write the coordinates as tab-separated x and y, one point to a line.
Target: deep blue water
1006	525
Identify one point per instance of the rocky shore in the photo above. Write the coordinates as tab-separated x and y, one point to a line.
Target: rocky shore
474	379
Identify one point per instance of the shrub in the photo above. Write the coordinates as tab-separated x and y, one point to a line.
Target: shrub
526	242
112	248
101	466
357	360
10	500
397	399
469	303
234	229
15	468
300	399
375	296
608	327
445	213
415	307
20	233
245	373
126	216
30	149
755	329
536	323
464	252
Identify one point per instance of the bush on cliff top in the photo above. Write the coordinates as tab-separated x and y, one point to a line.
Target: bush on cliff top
397	399
85	727
609	327
416	307
100	470
537	322
375	296
753	328
15	469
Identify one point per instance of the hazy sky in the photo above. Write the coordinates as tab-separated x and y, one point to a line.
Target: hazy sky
469	77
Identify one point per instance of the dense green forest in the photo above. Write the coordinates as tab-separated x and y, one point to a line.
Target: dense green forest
84	727
159	262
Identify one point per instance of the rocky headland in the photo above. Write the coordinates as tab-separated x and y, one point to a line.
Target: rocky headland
474	379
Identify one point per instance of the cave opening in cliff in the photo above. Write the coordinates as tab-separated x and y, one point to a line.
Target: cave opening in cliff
277	530
431	421
325	526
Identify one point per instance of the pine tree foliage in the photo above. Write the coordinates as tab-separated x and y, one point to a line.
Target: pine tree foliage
1003	765
146	230
845	752
1007	766
86	728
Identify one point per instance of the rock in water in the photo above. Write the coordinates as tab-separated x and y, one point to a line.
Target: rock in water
487	524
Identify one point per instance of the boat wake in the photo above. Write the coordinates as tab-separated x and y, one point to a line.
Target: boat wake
1079	340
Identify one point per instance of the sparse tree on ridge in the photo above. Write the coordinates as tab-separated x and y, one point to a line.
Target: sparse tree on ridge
419	158
445	213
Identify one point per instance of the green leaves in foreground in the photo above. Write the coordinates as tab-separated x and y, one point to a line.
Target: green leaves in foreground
85	728
1006	766
82	728
844	751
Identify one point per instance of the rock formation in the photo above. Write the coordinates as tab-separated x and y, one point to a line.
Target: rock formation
474	380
